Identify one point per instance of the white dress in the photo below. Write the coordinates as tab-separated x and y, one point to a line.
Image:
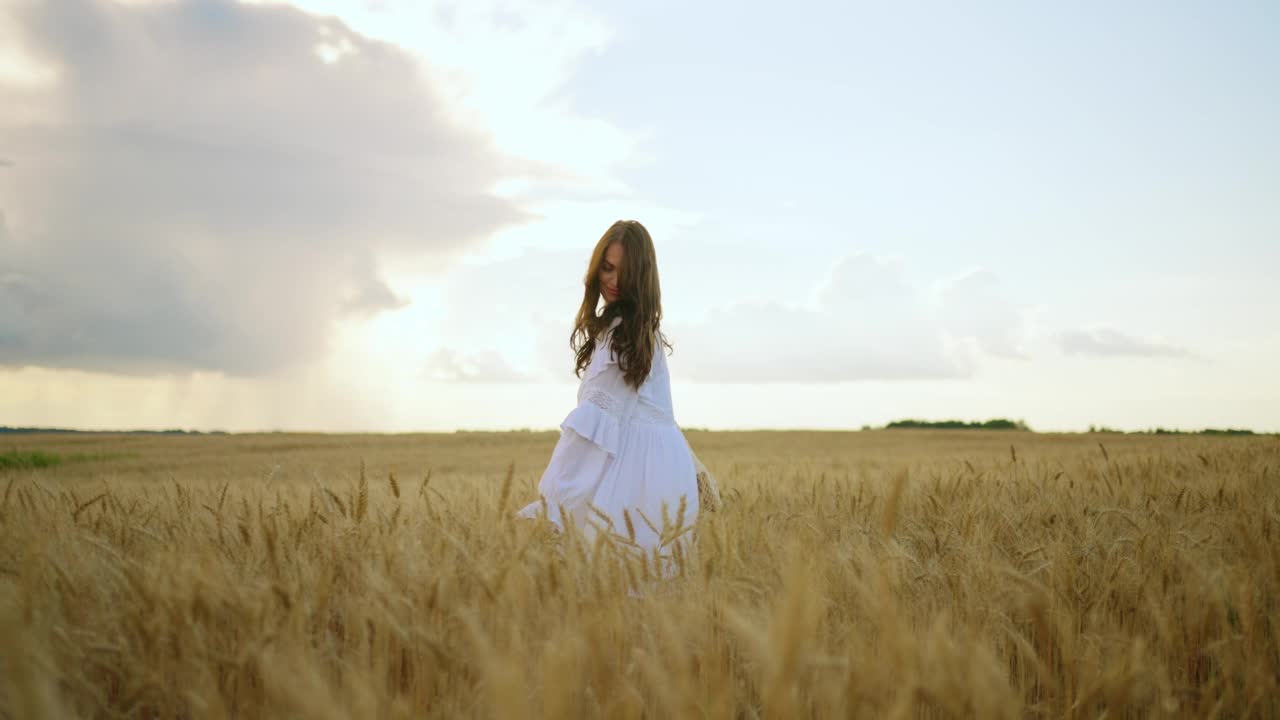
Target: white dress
621	449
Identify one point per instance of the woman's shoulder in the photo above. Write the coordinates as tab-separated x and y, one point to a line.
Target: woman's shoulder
605	331
605	337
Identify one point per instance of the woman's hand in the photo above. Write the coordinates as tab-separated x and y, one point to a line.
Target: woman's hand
708	488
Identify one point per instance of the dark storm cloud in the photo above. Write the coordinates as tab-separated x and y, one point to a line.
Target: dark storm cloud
200	189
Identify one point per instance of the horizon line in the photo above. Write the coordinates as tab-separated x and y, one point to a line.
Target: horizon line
1091	430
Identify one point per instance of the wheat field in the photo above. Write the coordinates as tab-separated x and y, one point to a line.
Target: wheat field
900	573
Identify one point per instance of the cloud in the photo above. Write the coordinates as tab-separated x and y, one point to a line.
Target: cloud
973	306
870	325
372	295
526	303
489	297
448	365
1108	342
205	186
867	323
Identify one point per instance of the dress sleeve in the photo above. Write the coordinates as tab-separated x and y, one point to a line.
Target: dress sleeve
602	356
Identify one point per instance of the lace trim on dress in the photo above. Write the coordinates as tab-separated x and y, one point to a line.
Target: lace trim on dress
644	413
604	401
649	415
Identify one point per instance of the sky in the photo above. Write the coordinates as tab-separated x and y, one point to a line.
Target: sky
376	215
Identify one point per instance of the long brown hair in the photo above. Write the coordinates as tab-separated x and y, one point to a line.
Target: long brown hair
639	304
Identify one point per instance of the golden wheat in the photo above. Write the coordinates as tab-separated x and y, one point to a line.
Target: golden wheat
879	574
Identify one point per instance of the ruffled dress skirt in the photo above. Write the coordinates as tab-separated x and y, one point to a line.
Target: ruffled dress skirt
622	461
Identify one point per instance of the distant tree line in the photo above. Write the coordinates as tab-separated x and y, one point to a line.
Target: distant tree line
997	424
1003	424
1166	431
20	430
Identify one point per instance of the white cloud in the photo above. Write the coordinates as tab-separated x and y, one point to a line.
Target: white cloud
866	322
972	306
503	65
201	190
373	297
524	304
1108	342
488	366
870	324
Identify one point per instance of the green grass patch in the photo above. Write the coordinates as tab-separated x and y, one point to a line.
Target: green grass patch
28	459
36	459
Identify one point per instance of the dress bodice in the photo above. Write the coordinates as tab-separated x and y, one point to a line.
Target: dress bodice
607	405
603	383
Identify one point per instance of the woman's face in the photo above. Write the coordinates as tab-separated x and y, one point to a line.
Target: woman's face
609	268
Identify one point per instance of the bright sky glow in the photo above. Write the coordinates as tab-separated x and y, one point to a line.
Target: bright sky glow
863	212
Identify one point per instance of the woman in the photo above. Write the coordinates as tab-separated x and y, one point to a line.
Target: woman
620	450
